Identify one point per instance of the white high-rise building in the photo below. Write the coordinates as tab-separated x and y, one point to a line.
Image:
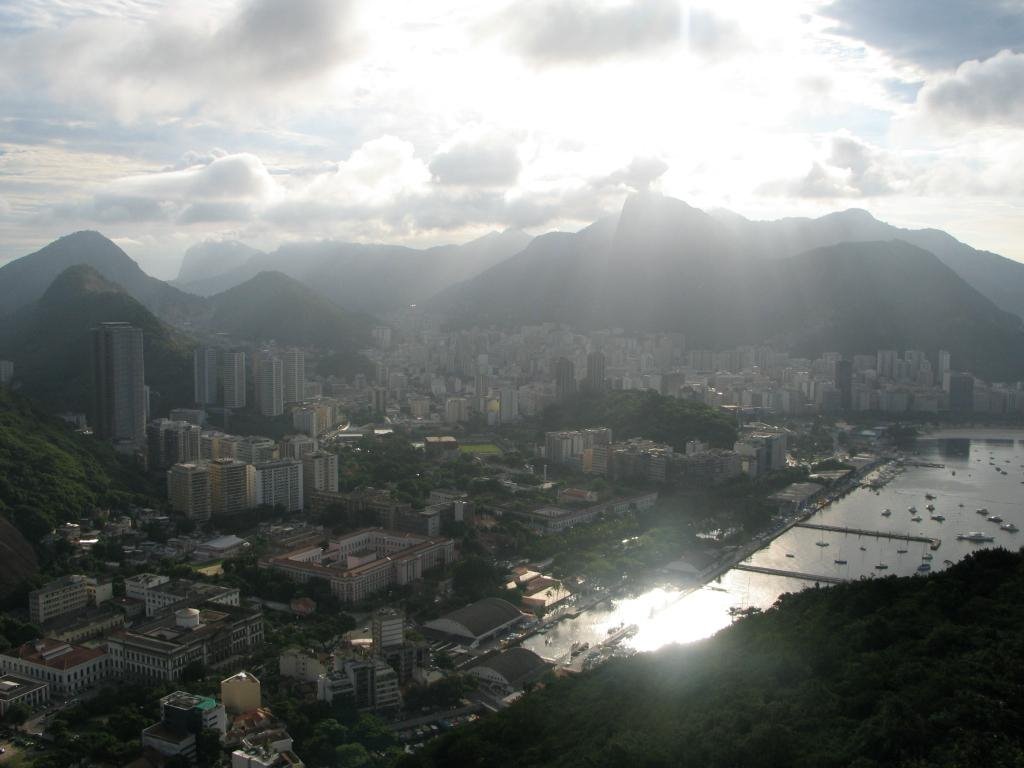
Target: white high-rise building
270	387
294	376
204	375
307	421
944	364
233	379
279	483
319	473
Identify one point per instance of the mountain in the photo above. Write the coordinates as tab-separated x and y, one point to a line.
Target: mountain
211	258
273	306
899	672
662	265
50	474
24	280
50	343
372	278
997	277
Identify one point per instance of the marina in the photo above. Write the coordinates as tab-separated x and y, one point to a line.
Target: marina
946	469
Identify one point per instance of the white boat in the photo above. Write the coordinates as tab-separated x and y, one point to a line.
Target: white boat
912	510
886	512
930	507
976	536
995	519
916	519
1010	527
982	511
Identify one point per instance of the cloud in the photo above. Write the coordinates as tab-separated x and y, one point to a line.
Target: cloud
580	31
639	174
936	34
851	169
711	36
161	66
491	162
979	93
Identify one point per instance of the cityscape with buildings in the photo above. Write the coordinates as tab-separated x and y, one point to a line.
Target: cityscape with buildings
576	384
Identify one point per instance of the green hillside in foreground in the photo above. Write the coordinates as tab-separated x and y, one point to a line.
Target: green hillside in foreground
50	474
905	672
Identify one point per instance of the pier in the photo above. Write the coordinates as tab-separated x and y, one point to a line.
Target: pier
925	464
931	542
790	574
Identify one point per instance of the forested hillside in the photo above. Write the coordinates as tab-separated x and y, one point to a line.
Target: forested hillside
50	474
886	672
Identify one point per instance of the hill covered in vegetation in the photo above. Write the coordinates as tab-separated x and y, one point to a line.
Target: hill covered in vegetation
50	474
632	413
50	343
885	672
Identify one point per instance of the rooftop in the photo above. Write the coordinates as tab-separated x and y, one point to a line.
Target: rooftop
485	615
515	664
56	654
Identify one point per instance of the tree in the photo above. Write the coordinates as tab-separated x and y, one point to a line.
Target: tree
208	749
351	756
16	714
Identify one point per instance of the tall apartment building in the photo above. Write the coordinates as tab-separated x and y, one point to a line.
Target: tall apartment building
233	381
307	421
119	384
456	410
270	387
319	473
254	449
63	595
188	490
171	442
595	372
369	684
294	376
565	378
232	486
205	375
279	483
296	446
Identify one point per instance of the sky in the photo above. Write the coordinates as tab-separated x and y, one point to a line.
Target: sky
163	124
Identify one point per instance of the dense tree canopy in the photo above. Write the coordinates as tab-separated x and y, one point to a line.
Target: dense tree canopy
645	414
895	672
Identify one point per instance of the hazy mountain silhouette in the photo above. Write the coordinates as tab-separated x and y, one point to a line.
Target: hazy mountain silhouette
210	259
372	278
273	306
24	280
51	345
997	277
663	265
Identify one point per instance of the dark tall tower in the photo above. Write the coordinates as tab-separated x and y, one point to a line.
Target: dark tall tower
565	378
119	383
844	383
595	372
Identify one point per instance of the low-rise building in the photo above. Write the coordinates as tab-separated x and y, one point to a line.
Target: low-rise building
86	624
510	670
370	684
161	649
364	562
302	664
64	595
68	669
479	621
160	593
22	691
